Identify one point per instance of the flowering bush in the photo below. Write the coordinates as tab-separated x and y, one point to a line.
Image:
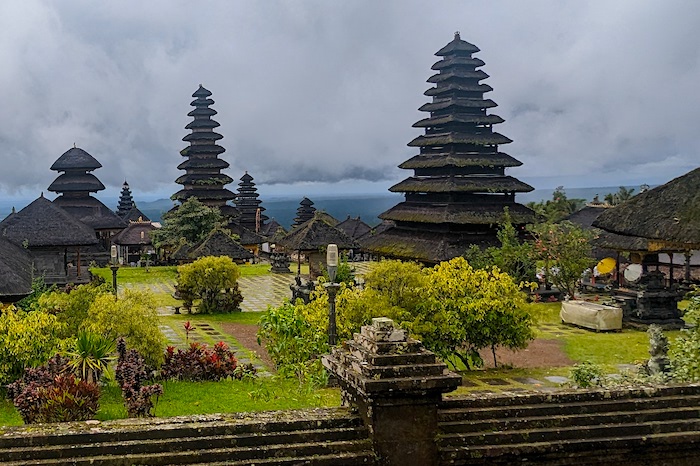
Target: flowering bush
199	362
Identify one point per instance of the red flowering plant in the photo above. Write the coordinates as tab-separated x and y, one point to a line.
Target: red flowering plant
200	362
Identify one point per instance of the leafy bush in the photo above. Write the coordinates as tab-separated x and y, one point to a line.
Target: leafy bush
27	339
39	288
133	317
71	305
293	343
52	394
214	281
685	350
199	362
587	374
131	374
91	355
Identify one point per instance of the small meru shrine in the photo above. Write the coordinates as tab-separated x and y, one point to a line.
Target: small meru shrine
459	190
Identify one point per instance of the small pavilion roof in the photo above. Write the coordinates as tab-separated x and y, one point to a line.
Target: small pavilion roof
218	243
132	234
314	234
75	158
354	227
135	215
43	224
669	213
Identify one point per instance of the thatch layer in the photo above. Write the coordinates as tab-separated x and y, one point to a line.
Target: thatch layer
497	159
458	102
458	118
43	223
75	158
91	211
67	182
458	213
670	212
482	139
473	184
425	246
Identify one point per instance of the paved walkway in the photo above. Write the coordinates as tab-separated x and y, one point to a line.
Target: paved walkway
259	292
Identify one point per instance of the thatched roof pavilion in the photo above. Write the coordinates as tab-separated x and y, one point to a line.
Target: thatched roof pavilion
203	178
312	237
667	216
15	272
305	212
459	189
355	228
218	243
50	234
665	219
134	240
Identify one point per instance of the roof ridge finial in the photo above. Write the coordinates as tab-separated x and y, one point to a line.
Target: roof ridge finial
42	194
74	146
457	35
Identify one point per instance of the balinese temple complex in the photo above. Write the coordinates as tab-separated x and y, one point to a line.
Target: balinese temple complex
459	189
248	204
203	178
74	185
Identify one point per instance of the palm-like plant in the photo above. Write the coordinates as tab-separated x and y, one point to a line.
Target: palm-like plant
91	355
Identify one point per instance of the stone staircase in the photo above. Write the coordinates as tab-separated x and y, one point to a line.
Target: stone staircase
311	437
621	427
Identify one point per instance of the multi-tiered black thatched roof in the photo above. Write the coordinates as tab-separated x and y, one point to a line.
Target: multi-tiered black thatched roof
74	186
203	178
305	212
459	189
248	205
126	201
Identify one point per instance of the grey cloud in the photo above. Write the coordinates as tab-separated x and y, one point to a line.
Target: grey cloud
326	91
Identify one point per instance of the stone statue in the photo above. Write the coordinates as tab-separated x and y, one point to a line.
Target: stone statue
658	350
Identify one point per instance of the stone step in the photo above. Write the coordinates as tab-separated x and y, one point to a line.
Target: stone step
361	458
571	396
451	412
242	455
526	436
567	420
166	428
672	448
153	446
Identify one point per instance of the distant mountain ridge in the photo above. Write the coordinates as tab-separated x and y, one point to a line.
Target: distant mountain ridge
368	207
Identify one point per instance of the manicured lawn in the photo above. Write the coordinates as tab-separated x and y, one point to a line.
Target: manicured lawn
8	414
137	275
235	317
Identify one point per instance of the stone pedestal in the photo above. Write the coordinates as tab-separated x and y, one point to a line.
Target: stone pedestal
280	262
396	384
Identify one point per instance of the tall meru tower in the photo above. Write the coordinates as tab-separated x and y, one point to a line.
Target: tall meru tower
203	178
459	189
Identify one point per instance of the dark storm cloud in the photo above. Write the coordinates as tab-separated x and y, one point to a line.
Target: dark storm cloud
328	91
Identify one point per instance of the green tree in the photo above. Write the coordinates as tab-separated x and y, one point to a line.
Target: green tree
191	222
623	194
133	316
564	251
27	339
558	208
214	281
685	350
513	256
71	305
464	310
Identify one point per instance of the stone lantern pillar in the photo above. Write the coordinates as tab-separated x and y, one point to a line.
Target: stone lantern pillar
397	385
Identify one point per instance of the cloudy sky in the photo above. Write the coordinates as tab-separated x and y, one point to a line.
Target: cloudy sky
594	93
